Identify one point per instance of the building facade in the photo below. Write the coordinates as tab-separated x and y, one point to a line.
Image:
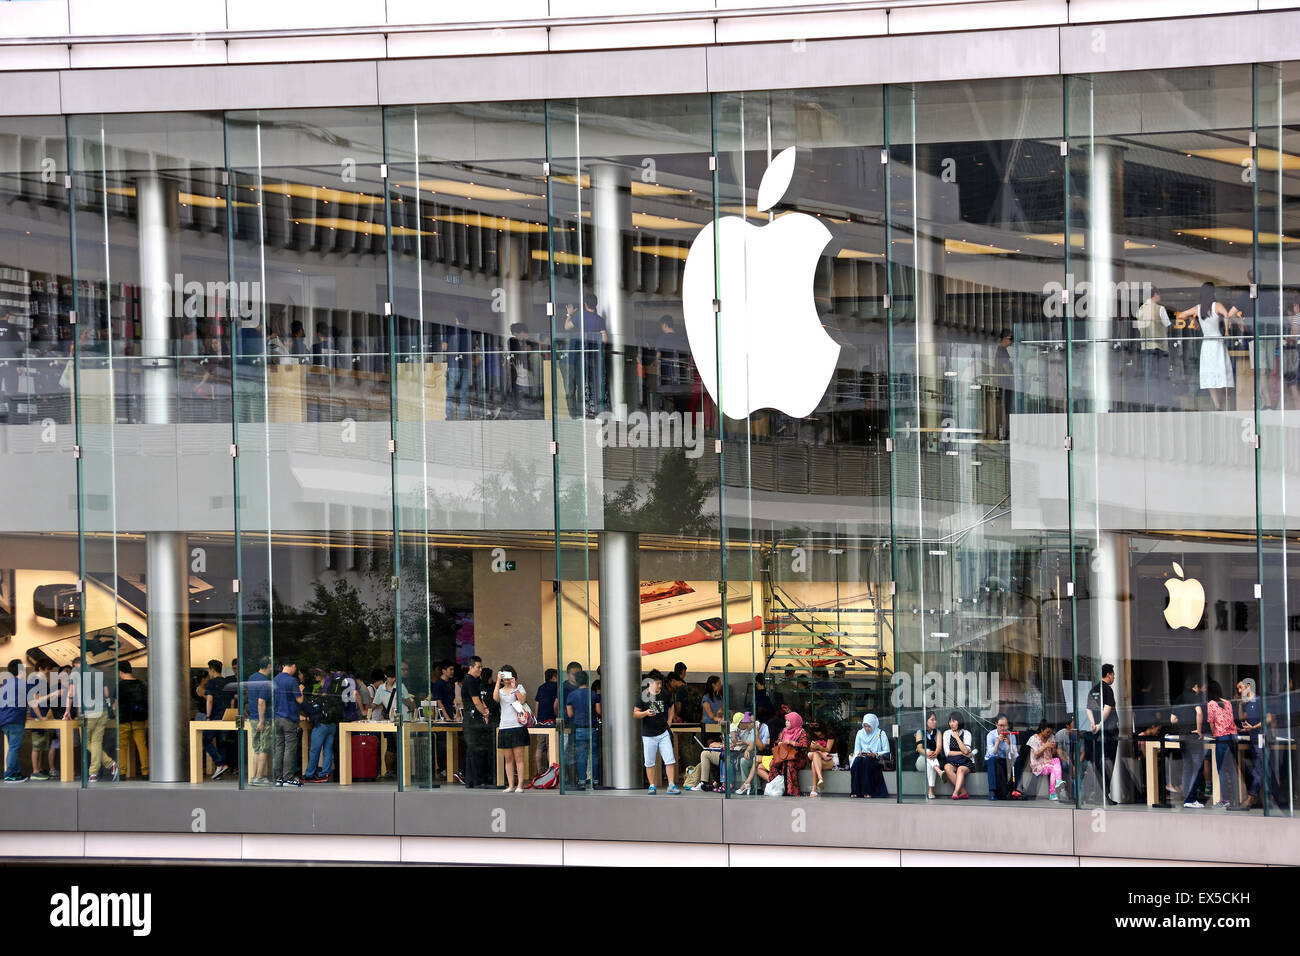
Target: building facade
892	360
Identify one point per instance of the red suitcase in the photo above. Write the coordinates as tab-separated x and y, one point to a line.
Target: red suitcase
365	757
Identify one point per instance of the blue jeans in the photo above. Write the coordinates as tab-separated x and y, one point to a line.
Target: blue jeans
14	735
586	741
1224	748
322	738
457	390
993	763
1193	761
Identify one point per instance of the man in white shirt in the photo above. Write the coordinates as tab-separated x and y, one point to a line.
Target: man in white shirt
1151	323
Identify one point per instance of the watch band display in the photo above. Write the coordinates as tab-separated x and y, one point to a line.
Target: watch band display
706	630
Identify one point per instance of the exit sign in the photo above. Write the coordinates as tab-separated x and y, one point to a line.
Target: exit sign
508	566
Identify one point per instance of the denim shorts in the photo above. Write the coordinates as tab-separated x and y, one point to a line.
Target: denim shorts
662	745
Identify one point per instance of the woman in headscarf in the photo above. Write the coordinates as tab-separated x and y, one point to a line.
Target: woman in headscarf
790	755
870	747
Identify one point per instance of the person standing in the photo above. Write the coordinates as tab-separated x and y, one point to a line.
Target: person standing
1216	370
475	725
258	712
1223	728
13	719
1103	726
443	699
288	736
652	711
39	708
133	714
215	701
1188	716
1151	323
512	726
1251	723
583	712
458	350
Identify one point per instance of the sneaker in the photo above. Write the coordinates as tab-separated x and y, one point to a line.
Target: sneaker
39	775
219	771
1052	796
698	788
673	788
1193	805
117	772
317	778
19	778
293	782
458	777
652	789
260	782
279	781
1223	805
93	778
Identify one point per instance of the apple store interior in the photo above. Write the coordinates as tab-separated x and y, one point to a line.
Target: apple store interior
898	442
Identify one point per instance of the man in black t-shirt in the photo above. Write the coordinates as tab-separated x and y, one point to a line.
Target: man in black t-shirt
1103	725
656	741
478	735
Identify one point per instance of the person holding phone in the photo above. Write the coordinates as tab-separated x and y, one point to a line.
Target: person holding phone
512	728
999	753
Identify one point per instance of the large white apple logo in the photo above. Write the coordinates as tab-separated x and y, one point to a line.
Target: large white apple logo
1186	601
775	353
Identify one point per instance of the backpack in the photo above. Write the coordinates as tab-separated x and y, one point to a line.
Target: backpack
325	707
548	779
133	701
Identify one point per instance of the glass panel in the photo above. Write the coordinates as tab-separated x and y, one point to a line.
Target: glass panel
473	463
977	191
154	306
1163	466
1277	326
313	411
637	518
39	603
802	377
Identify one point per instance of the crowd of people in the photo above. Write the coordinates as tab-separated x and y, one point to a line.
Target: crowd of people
769	747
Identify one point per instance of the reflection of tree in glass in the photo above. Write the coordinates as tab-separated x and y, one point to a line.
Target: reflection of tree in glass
673	502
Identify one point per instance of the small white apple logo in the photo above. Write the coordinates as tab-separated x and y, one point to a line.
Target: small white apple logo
775	353
1186	601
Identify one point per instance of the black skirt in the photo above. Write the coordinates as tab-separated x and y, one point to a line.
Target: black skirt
514	737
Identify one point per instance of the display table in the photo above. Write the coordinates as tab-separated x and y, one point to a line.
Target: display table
347	729
197	727
552	735
1151	748
67	751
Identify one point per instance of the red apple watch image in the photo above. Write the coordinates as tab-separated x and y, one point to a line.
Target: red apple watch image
710	629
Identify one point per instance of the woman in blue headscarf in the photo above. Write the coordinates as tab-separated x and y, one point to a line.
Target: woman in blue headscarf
870	748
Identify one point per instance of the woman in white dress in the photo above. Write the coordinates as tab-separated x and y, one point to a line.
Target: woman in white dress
1216	369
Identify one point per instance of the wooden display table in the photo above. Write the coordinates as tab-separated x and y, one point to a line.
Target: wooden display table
552	735
67	751
197	727
348	728
1152	746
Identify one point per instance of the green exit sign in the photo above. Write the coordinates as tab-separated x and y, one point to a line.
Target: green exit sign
509	566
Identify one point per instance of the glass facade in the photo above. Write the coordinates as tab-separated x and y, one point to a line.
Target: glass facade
444	445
